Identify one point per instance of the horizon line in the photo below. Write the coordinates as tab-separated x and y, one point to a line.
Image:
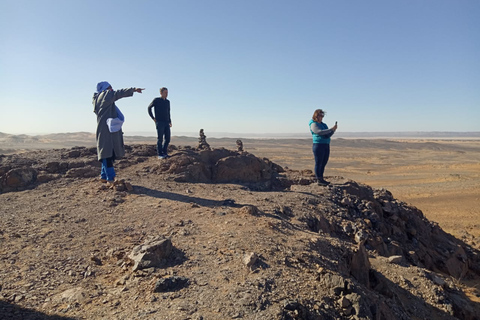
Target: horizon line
136	133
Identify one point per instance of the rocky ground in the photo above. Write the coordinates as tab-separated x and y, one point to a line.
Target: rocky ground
217	234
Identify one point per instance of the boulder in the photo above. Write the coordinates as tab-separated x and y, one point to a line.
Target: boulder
19	178
249	210
52	167
241	168
151	254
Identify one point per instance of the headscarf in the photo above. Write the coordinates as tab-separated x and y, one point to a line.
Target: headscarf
102	86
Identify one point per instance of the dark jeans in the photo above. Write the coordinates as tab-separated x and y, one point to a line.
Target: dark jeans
321	151
163	130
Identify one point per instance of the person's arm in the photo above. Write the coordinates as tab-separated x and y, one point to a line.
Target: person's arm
318	131
150	106
123	93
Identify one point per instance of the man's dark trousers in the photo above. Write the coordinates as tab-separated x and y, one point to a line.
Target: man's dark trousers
163	131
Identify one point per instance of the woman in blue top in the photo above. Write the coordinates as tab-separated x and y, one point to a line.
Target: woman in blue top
321	143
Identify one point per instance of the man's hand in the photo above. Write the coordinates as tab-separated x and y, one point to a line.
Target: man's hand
335	126
139	90
170	124
154	120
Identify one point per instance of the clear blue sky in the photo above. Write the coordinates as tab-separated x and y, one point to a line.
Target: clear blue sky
243	66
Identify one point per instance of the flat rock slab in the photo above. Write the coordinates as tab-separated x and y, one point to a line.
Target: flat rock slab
395	259
151	254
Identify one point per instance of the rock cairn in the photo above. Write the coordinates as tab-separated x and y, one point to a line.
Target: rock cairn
202	141
239	145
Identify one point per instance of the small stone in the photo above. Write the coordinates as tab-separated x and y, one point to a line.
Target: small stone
249	210
249	259
96	260
128	186
437	280
360	236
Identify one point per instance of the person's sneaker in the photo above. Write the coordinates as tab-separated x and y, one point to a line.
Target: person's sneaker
161	157
166	156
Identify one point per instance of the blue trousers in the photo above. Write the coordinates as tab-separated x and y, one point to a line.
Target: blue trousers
163	131
321	151
107	173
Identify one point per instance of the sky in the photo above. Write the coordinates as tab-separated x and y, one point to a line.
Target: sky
250	66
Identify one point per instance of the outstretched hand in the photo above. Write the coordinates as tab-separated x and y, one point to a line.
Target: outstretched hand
139	90
335	126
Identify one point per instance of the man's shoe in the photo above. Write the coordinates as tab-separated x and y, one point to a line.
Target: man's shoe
161	157
323	182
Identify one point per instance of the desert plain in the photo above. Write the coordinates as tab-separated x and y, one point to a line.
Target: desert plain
440	176
294	251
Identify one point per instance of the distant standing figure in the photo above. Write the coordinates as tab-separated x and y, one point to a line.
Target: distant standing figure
163	122
109	134
321	143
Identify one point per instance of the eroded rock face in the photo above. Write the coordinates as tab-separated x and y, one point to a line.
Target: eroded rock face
392	228
218	165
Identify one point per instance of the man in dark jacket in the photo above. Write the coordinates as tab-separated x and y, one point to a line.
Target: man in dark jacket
162	121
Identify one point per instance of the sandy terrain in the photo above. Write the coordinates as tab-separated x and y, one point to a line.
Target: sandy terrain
439	176
265	244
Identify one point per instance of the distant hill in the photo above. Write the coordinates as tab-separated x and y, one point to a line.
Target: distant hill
10	143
